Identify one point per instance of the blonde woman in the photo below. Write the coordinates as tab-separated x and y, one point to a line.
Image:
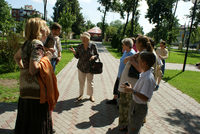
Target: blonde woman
32	116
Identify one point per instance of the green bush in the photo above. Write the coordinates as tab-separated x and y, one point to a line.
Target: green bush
7	51
116	42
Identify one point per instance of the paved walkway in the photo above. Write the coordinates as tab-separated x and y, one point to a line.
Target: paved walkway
170	111
174	66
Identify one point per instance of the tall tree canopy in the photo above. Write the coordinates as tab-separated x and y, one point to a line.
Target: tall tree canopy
75	10
159	11
6	20
107	5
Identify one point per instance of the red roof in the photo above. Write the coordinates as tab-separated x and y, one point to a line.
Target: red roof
95	30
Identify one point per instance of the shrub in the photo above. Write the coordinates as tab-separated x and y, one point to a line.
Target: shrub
116	42
7	50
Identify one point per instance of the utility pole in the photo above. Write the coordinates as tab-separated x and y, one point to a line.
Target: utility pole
188	41
45	9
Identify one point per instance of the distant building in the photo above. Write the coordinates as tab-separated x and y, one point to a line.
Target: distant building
21	13
95	33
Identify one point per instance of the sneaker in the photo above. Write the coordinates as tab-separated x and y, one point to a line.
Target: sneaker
92	99
112	102
156	88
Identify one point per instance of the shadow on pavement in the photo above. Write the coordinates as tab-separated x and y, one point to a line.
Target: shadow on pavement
105	116
68	105
7	107
190	123
114	131
6	131
166	79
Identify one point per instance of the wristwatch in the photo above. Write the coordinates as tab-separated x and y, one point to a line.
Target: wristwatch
134	92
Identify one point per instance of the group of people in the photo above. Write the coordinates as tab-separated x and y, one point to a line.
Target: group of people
133	92
39	55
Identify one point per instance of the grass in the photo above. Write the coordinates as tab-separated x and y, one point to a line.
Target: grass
66	57
177	56
71	41
114	52
187	82
11	94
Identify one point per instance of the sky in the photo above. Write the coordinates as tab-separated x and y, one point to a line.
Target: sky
90	12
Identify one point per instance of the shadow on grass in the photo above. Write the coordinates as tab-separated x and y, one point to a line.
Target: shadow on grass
168	78
105	116
6	131
7	107
190	123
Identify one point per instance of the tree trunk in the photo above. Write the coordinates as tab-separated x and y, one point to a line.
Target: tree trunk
133	15
172	23
126	23
103	22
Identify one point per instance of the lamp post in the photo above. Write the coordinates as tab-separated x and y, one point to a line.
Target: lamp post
45	12
188	40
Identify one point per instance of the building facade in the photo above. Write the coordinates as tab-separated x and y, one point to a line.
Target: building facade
22	13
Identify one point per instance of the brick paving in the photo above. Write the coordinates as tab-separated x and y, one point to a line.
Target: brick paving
170	111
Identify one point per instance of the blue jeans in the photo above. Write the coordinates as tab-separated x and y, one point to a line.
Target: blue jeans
53	63
163	67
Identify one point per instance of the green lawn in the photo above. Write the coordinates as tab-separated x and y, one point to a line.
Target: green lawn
11	94
177	56
114	52
71	41
187	82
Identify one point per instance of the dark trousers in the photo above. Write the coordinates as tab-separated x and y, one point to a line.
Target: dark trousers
116	86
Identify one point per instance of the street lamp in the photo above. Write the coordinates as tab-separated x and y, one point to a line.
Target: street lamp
188	41
45	5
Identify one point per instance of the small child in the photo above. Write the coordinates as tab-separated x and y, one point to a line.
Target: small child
142	92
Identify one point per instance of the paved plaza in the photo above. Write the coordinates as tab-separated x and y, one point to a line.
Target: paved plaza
170	111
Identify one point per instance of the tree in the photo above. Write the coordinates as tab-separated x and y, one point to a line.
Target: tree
66	19
6	20
89	25
78	24
158	12
108	5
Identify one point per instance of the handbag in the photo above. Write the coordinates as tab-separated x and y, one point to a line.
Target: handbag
133	72
96	67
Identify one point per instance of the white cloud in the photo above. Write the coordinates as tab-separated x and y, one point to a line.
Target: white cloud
85	1
51	2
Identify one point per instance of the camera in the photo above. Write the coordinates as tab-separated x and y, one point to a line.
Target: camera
126	83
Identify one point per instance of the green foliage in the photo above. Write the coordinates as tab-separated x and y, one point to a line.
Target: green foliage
116	42
159	13
88	25
67	18
7	51
6	20
78	24
114	51
110	31
187	82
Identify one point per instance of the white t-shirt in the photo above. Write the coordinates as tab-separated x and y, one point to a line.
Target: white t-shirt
145	85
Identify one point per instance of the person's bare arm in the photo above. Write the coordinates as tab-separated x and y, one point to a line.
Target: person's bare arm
129	89
33	67
18	59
